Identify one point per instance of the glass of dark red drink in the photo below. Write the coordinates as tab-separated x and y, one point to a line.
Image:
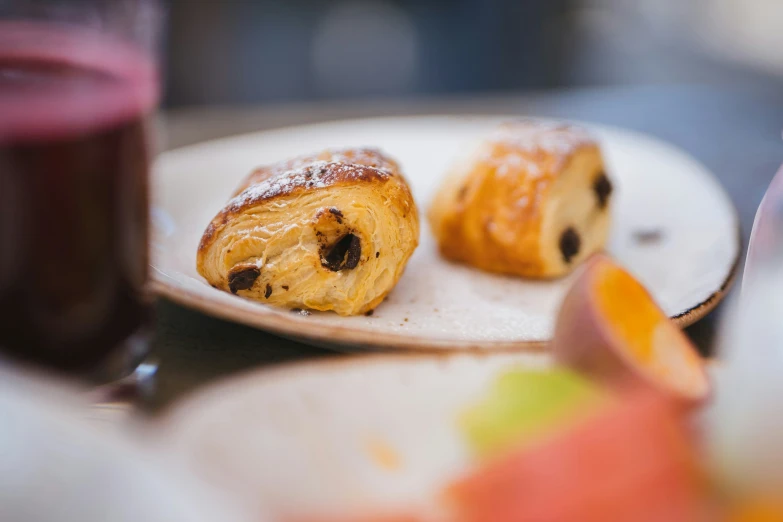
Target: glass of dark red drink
78	84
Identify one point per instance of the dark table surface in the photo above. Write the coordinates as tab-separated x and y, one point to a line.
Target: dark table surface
735	130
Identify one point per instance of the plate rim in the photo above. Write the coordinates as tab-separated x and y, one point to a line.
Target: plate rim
285	323
286	370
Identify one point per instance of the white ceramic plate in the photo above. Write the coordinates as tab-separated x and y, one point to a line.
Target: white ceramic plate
357	435
439	305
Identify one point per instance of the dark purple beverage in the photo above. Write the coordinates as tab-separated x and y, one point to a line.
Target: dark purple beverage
74	159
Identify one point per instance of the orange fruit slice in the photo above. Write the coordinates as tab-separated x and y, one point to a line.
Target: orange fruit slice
610	328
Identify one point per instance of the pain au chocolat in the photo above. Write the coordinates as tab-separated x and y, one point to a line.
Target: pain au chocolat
328	231
533	200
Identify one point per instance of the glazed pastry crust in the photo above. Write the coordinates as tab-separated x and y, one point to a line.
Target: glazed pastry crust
507	207
329	231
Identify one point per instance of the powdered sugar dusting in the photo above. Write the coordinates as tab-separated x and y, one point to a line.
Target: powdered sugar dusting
531	136
512	163
367	157
312	176
537	148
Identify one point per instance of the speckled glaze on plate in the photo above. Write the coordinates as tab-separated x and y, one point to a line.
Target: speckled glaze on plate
674	228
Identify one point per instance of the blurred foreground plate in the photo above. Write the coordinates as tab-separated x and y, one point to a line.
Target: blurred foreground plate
674	228
355	435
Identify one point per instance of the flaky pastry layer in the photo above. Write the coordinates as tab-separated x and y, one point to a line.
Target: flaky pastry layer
329	231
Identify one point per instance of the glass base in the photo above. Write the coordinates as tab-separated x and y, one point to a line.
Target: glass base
126	378
118	364
124	360
123	382
136	388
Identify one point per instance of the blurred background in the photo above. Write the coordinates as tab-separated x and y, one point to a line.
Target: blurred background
267	51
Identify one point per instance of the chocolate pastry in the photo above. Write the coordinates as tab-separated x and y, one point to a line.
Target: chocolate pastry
330	231
532	200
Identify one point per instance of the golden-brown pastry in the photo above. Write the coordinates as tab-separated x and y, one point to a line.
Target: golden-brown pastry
330	231
532	200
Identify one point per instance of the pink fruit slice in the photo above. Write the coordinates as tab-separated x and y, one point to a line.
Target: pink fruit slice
633	461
